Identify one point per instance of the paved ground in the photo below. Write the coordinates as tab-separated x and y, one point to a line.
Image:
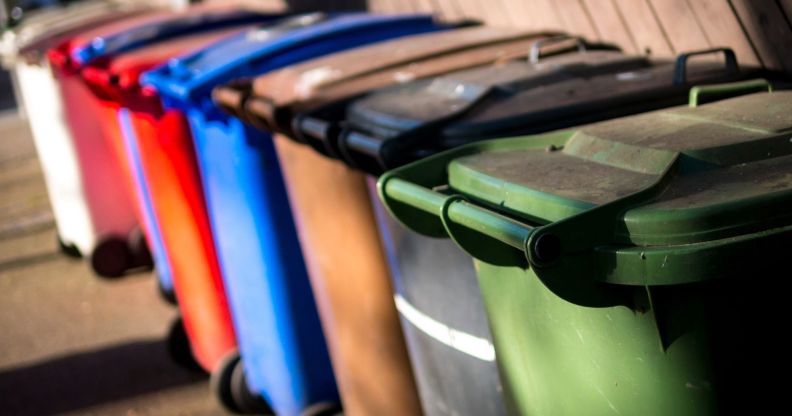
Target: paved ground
71	343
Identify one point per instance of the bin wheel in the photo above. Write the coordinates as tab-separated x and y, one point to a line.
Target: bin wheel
69	249
220	381
111	258
167	294
247	401
179	348
139	252
323	409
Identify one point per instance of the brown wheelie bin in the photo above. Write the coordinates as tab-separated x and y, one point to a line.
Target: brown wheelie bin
332	207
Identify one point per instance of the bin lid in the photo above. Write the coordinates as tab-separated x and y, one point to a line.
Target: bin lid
159	28
259	51
517	98
116	77
665	185
126	34
42	31
342	75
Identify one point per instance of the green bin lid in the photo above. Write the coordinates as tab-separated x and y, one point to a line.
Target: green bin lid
739	179
670	188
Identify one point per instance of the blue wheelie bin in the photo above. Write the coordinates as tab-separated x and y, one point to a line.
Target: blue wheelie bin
284	356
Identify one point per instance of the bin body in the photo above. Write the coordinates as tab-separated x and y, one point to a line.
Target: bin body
143	197
345	259
109	204
24	52
56	152
264	274
270	296
618	285
169	164
442	315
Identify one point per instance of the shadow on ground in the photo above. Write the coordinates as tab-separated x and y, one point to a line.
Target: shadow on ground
91	378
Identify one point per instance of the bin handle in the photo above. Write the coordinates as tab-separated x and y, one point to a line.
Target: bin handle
466	223
317	132
731	89
680	69
231	97
536	47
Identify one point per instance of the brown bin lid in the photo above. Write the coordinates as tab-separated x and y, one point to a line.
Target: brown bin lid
344	75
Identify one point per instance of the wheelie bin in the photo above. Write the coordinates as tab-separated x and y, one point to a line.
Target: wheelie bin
272	306
326	84
23	52
117	243
622	264
441	312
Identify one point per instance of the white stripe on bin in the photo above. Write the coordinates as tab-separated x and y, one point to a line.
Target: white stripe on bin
461	341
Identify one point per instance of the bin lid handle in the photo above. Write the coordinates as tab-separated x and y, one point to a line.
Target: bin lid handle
680	69
536	48
730	89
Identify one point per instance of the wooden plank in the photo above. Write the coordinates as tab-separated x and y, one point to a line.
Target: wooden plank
680	25
380	6
498	14
516	13
722	28
472	9
452	8
576	19
610	24
768	30
394	6
441	9
644	27
423	5
540	15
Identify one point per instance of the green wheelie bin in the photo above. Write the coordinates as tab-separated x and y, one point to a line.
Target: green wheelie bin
635	266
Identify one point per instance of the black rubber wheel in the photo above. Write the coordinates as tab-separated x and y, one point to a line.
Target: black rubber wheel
323	409
220	382
179	348
111	258
139	252
167	294
68	249
247	401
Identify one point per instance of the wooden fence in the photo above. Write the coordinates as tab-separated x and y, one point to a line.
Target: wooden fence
759	31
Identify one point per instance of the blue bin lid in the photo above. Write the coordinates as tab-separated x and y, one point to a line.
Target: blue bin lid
261	50
176	24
